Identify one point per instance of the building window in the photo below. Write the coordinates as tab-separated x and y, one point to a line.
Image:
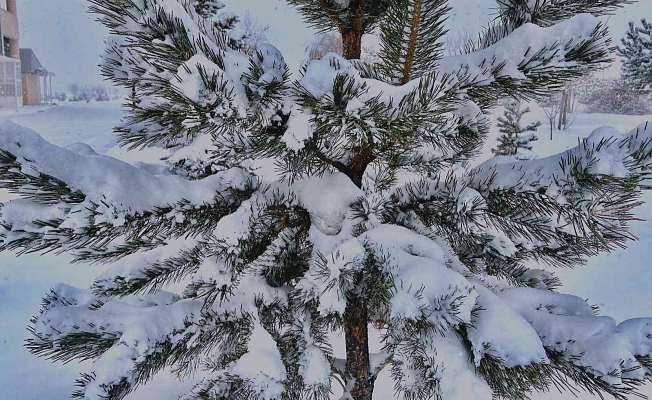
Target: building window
6	46
8	89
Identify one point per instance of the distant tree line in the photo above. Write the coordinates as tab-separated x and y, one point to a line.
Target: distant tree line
82	92
612	96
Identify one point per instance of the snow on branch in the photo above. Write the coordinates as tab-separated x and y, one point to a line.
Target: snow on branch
101	177
547	12
533	60
99	198
604	152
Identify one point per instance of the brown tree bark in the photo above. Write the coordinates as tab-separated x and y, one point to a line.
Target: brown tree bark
357	349
352	44
353	30
356	318
411	48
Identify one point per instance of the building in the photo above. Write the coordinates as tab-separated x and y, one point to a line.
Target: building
36	80
23	79
10	70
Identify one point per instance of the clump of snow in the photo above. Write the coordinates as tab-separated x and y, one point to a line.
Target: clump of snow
196	154
457	377
567	324
610	157
322	282
546	301
273	63
299	129
320	74
505	332
536	278
638	332
314	367
501	243
424	285
327	198
261	365
467	198
190	83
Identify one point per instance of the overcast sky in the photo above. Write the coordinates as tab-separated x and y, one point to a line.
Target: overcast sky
68	41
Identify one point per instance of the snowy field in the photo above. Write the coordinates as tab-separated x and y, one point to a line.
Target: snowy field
619	282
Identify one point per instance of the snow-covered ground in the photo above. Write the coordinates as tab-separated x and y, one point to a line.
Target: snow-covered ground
619	282
72	122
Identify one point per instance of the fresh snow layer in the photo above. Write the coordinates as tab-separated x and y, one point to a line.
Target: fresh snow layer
508	335
269	371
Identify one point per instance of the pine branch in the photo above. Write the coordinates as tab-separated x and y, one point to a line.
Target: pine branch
541	74
411	39
515	13
29	183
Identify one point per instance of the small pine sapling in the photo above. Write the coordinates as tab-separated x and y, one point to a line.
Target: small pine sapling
515	138
636	51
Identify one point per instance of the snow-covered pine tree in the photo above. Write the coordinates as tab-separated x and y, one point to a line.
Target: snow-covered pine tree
636	51
515	137
236	277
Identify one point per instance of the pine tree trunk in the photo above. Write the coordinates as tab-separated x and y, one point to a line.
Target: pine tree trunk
352	45
355	315
352	34
357	349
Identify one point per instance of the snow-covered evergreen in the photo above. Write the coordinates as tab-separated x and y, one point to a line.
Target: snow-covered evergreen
515	140
636	51
225	271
